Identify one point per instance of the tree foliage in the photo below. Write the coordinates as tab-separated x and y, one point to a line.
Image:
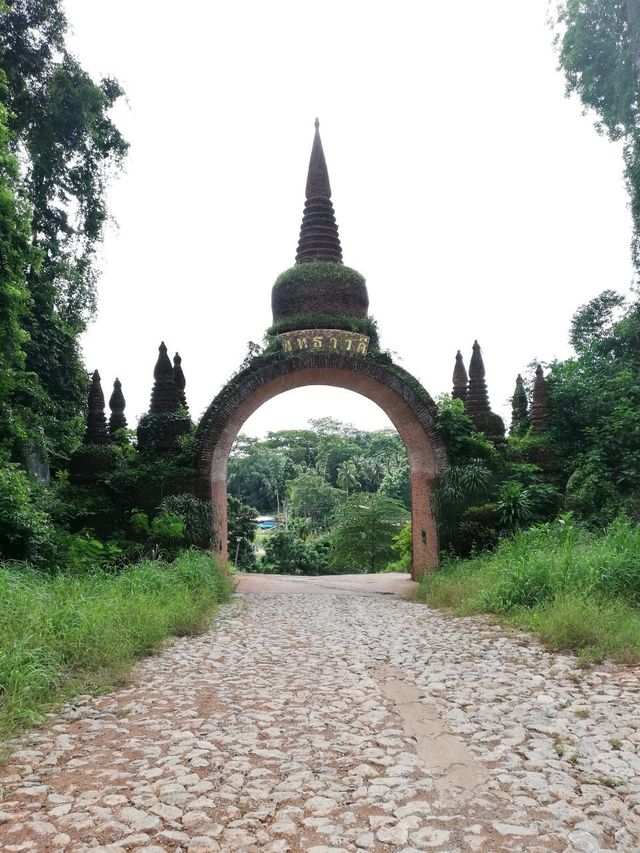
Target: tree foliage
595	413
67	148
364	532
599	48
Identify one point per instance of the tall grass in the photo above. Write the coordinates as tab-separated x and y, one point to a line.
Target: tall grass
69	631
578	589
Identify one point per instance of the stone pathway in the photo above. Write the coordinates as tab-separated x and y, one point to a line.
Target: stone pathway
314	718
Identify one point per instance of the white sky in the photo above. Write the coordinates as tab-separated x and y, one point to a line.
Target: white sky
474	197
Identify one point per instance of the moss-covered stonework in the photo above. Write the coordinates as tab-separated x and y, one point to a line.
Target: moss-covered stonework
319	288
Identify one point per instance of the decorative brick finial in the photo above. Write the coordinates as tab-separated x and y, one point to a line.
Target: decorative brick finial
164	395
96	432
477	401
519	409
319	240
117	405
178	378
460	379
540	404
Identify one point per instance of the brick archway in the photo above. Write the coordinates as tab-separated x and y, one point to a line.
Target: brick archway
398	394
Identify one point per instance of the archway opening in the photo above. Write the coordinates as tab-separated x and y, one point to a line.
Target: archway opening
407	406
297	461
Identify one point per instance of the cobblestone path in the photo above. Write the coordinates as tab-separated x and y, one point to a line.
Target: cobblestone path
331	720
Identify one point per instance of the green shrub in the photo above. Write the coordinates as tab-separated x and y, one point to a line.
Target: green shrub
241	531
197	515
287	554
284	553
402	544
26	532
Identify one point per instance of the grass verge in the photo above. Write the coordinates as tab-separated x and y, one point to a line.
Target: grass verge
576	589
70	633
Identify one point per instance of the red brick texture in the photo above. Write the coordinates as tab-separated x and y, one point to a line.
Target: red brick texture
398	394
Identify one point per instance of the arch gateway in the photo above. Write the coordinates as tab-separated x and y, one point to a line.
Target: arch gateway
322	335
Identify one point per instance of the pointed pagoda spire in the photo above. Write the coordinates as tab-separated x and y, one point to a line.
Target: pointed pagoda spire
519	409
178	378
477	400
164	395
96	432
540	404
117	404
460	379
319	240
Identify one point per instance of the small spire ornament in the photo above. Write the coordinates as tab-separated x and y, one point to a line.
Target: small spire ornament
96	432
180	381
117	405
460	379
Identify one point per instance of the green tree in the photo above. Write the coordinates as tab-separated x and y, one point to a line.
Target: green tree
397	485
599	48
594	425
241	531
16	255
310	496
366	525
259	476
68	149
347	476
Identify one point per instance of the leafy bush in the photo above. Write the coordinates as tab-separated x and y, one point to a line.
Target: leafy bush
25	529
463	442
403	551
197	515
287	554
241	531
284	553
162	535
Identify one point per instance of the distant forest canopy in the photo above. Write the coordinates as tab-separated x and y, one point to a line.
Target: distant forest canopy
264	473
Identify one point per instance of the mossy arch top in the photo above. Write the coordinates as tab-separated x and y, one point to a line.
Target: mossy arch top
398	394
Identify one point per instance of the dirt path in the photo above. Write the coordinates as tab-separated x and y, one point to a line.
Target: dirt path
328	715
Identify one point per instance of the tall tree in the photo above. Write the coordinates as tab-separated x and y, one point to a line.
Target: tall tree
16	255
599	49
68	148
363	535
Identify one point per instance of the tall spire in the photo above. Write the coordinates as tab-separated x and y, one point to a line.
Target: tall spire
117	403
178	378
164	395
519	409
540	405
319	240
96	432
460	379
477	401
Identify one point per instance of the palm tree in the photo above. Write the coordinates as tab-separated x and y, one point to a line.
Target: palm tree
347	475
